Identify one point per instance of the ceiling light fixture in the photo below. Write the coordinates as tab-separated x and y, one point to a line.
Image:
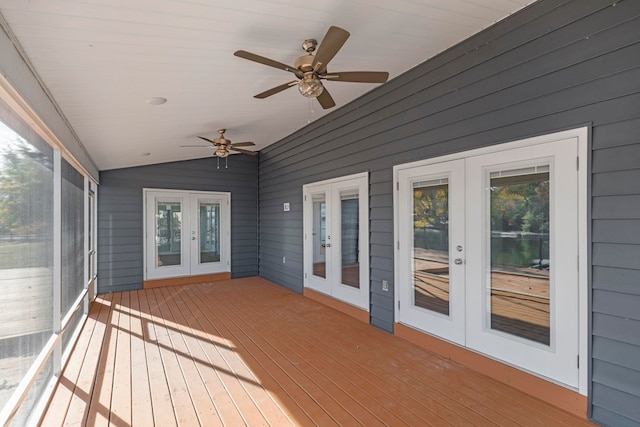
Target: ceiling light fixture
156	100
310	86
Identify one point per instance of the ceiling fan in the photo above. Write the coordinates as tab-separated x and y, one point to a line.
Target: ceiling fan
223	145
311	68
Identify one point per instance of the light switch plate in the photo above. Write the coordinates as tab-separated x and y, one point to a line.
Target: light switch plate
287	207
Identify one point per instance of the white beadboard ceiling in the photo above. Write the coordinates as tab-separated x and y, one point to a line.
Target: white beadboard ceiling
103	59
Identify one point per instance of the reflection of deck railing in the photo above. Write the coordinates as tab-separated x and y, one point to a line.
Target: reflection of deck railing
520	314
519	302
431	290
520	235
350	274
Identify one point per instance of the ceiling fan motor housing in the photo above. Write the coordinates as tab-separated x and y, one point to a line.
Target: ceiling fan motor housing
305	63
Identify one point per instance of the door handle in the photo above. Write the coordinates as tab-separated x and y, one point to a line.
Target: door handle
193	238
328	245
458	261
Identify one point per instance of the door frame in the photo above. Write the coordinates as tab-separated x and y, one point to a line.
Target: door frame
187	204
581	136
358	297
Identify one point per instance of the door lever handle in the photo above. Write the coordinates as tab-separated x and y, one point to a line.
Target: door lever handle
458	261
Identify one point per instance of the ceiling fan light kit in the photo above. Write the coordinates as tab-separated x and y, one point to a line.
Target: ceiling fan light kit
221	152
310	86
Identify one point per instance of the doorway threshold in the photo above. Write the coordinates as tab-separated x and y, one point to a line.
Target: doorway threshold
554	394
348	309
186	280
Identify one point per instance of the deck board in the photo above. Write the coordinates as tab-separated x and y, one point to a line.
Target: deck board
161	405
242	385
141	409
355	397
269	372
384	399
248	352
82	388
121	396
100	399
189	357
183	406
352	348
331	399
215	369
61	401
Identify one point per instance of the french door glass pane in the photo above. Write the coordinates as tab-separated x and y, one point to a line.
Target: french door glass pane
519	283
169	233
349	231
209	232
431	245
319	235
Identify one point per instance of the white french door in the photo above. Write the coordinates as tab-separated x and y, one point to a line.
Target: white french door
336	239
187	233
434	196
488	246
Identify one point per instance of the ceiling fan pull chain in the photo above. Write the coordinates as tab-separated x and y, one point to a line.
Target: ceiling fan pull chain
218	158
226	165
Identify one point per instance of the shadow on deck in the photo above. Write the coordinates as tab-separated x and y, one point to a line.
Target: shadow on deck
248	352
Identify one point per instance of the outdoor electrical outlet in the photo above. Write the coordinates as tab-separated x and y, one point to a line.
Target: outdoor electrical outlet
385	286
284	259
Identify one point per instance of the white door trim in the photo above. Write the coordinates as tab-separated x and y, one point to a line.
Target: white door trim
189	200
358	297
581	136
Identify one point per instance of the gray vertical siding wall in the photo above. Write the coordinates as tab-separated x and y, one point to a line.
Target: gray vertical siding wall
555	65
120	214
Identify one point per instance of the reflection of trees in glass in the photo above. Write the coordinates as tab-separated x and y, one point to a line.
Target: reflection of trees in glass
431	216
22	170
520	206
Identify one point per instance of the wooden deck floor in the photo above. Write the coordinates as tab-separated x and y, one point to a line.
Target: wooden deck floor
248	352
